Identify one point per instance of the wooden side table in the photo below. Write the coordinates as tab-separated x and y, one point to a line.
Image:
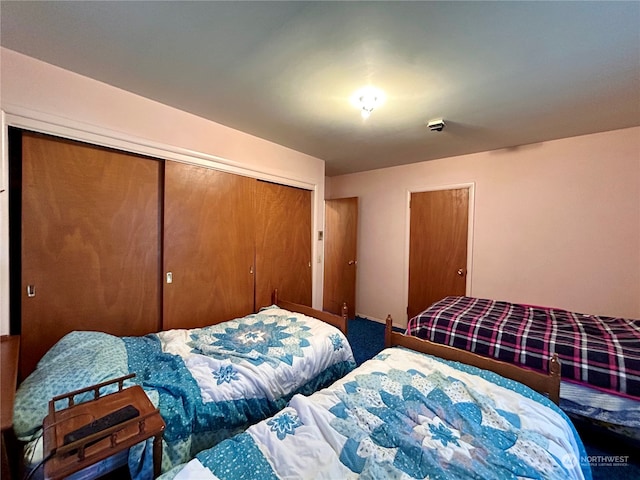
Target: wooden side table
10	353
75	456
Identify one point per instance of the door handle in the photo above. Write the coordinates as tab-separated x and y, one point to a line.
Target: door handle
460	272
353	262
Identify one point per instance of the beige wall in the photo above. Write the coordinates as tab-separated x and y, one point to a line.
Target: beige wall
41	97
556	223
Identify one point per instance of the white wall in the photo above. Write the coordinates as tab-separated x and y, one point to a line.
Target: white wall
39	96
556	223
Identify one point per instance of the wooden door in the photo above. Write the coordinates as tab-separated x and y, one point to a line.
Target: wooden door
340	254
437	246
208	246
90	245
283	243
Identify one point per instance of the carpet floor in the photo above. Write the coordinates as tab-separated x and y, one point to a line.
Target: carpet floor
611	458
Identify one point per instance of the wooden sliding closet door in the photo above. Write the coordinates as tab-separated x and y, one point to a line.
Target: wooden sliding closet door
208	246
283	243
90	243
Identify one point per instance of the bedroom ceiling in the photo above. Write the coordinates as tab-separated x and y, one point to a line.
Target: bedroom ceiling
501	74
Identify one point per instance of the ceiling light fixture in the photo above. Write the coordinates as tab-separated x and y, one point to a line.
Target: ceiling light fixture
366	99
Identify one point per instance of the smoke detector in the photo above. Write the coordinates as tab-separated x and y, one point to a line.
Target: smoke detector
436	125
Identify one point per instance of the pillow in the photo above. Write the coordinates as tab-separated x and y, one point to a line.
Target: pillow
78	360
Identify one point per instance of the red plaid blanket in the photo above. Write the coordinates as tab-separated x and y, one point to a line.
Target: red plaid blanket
600	351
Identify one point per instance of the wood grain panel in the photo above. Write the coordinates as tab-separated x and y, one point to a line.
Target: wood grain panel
9	353
340	255
283	243
208	245
90	242
437	246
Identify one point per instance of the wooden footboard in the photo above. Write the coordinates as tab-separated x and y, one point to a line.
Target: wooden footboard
548	384
335	320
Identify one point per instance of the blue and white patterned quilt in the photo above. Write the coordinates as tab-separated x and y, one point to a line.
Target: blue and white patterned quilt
209	383
404	415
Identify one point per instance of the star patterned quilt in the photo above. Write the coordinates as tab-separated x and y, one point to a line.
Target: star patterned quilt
404	415
209	383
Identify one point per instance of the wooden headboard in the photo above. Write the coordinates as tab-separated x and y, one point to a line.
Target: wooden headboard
548	384
339	321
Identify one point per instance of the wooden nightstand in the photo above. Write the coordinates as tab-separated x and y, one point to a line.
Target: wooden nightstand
73	457
10	352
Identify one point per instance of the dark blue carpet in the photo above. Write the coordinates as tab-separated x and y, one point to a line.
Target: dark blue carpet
611	458
366	338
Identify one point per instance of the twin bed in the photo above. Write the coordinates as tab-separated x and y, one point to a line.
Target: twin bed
417	409
208	383
409	414
600	356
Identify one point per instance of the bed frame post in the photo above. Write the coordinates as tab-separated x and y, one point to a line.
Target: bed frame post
274	297
387	331
554	372
345	316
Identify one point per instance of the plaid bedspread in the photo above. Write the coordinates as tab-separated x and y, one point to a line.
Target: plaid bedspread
600	351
